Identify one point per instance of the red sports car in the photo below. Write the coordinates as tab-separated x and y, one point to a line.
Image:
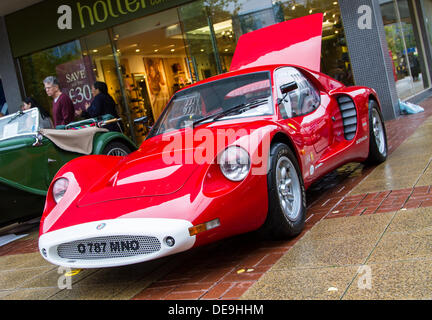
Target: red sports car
229	155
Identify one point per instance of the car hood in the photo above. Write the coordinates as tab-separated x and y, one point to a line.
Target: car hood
140	175
164	163
300	45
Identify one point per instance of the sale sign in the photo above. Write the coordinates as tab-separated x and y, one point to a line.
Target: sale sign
76	78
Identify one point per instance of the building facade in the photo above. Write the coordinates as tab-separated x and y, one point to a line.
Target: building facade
146	50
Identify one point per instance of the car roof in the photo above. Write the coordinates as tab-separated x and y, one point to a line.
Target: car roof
327	82
266	68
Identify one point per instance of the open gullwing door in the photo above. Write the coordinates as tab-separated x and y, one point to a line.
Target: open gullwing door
295	42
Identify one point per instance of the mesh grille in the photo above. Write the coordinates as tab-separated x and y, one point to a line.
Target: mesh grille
349	116
109	247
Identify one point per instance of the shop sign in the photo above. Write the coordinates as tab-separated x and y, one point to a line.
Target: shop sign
76	78
57	21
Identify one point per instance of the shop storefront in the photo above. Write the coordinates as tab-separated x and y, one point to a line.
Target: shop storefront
146	59
146	50
405	47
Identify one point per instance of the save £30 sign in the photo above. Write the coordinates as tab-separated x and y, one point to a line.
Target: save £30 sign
76	78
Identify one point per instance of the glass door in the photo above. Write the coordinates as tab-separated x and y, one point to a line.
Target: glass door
98	55
212	29
153	62
405	47
200	38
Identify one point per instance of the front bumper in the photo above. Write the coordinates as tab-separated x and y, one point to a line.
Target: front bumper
112	243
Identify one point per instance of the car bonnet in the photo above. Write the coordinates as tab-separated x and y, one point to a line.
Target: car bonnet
142	175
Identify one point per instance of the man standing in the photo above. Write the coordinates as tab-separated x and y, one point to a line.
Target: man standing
63	110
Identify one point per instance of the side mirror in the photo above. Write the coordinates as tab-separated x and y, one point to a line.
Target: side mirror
287	88
38	140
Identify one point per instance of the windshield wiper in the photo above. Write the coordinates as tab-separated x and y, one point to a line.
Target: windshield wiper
19	114
236	109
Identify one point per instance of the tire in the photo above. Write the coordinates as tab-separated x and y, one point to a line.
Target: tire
286	195
377	136
116	149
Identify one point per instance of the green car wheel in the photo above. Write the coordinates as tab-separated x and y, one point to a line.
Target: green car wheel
116	149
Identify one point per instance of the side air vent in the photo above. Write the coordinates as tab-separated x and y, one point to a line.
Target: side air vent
349	116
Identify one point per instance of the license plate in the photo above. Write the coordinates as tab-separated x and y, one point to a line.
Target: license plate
108	247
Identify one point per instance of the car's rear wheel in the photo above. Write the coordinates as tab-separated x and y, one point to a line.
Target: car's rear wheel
377	134
286	195
116	149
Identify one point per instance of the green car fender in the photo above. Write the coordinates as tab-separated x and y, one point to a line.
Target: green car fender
102	140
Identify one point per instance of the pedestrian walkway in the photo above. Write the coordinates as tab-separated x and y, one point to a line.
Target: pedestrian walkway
367	235
380	256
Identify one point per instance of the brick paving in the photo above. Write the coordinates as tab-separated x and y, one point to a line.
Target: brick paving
227	269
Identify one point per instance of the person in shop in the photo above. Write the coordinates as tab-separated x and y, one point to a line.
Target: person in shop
63	110
102	104
45	121
414	65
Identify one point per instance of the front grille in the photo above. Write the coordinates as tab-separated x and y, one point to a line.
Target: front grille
109	247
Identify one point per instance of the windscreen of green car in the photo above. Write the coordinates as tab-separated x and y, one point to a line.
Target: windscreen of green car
230	98
19	124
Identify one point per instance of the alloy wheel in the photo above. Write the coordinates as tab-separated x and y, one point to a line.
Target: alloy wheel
288	188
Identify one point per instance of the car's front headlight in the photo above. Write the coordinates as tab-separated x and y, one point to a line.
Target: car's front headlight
59	189
235	163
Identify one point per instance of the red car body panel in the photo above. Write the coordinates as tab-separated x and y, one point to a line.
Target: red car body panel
296	42
144	186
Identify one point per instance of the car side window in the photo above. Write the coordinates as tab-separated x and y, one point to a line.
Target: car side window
303	100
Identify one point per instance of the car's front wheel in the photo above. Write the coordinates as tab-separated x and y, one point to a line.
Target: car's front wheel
286	194
116	149
378	136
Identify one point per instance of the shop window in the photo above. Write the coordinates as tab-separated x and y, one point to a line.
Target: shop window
427	14
37	66
200	36
98	57
77	65
403	42
153	62
212	30
335	60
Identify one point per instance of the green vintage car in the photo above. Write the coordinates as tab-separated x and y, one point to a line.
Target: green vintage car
30	156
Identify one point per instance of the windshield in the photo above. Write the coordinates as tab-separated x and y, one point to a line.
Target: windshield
19	124
209	102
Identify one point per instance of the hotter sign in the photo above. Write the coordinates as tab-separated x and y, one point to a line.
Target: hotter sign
102	10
